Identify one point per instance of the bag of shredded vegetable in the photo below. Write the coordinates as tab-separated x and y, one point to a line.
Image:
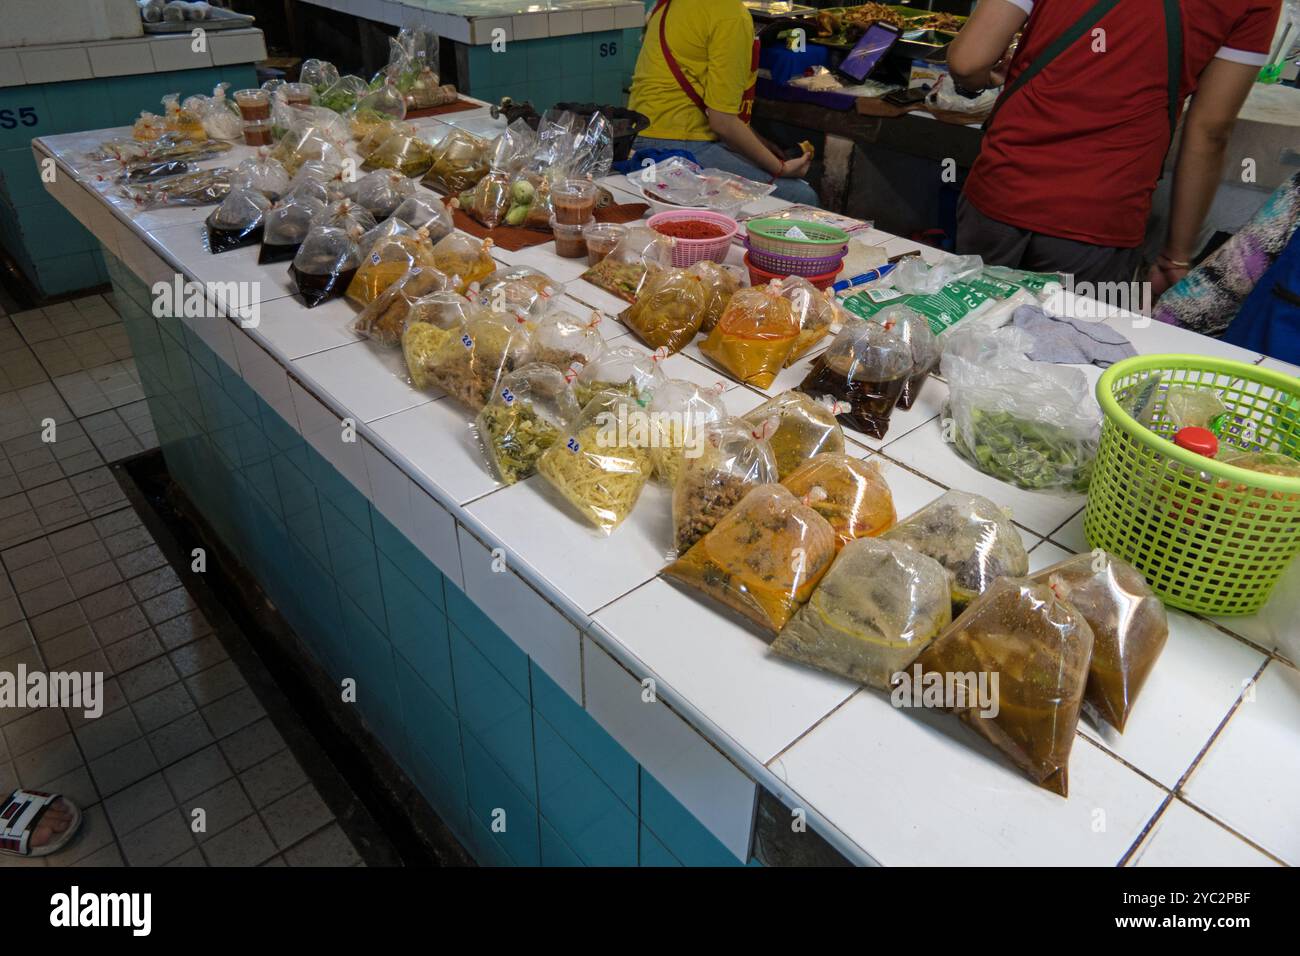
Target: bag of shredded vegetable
464	259
720	282
384	319
1020	641
668	311
754	336
818	313
1129	628
679	412
599	468
970	536
386	261
624	270
804	428
566	341
763	559
619	369
733	460
878	607
848	492
474	358
532	408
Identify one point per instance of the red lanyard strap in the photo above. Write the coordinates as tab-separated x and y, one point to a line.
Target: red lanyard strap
673	66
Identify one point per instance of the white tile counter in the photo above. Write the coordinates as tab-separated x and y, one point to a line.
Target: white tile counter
1212	751
478	21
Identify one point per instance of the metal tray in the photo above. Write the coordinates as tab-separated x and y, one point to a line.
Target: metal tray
220	19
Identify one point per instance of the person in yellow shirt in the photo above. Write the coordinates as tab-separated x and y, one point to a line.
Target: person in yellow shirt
695	80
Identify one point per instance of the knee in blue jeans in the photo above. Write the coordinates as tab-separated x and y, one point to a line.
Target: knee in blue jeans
796	191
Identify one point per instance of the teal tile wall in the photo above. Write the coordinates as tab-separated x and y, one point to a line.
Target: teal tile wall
519	771
55	251
580	68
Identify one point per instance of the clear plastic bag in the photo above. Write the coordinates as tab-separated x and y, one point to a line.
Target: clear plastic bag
321	74
1129	628
408	155
238	221
383	105
511	151
308	144
202	187
915	276
1033	424
864	370
817	313
308	187
970	536
430	322
913	329
464	259
599	468
342	95
623	271
219	116
848	492
719	282
529	202
460	161
388	259
384	319
488	201
681	182
426	211
570	147
668	311
286	226
1033	647
382	191
621	369
354	219
733	460
262	173
324	264
763	559
180	121
804	428
1192	407
878	607
471	362
522	290
679	415
566	341
754	336
531	410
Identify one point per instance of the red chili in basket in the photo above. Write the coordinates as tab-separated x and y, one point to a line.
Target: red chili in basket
690	229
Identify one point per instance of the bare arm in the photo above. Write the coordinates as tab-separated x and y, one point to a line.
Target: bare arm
975	57
735	133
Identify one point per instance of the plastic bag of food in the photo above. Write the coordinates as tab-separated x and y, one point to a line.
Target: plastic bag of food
268	176
762	559
378	134
408	155
219	116
354	219
464	259
599	468
471	362
1030	647
804	428
879	606
308	187
286	226
202	187
382	191
1033	424
621	369
384	319
571	147
623	271
522	290
324	264
530	411
460	161
321	74
389	228
488	201
388	259
848	492
1193	407
342	95
238	221
1265	462
754	336
817	312
668	310
719	282
383	105
1129	628
439	316
529	201
913	329
679	414
180	121
425	211
864	370
970	536
734	459
511	151
566	341
309	144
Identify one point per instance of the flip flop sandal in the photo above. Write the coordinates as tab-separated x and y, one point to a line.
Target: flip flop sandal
21	815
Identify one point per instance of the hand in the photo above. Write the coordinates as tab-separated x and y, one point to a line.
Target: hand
998	74
1163	276
795	168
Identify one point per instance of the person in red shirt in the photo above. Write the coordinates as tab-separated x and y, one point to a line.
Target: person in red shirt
1078	139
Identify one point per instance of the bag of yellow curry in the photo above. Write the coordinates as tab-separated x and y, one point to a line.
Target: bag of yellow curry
763	559
386	261
804	427
817	312
848	492
754	336
464	259
720	283
668	311
384	319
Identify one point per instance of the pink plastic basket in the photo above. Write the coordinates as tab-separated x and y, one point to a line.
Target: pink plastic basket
795	265
687	252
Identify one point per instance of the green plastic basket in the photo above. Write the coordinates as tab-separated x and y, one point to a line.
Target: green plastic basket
1209	537
771	235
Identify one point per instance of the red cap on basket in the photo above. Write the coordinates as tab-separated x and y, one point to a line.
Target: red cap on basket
1200	440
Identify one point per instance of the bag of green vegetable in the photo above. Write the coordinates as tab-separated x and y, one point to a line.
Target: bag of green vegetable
384	319
379	106
668	310
532	408
804	427
623	369
598	467
763	559
678	414
319	74
343	94
970	536
1033	424
624	270
733	460
879	606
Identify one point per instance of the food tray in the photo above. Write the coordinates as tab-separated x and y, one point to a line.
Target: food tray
219	19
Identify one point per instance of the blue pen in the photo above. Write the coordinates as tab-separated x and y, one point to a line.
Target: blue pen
866	277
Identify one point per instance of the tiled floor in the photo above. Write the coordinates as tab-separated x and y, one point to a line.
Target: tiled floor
182	740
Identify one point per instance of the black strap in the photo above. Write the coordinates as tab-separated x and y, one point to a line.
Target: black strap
1174	38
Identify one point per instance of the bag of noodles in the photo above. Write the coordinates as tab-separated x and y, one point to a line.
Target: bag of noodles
679	411
463	259
469	364
384	319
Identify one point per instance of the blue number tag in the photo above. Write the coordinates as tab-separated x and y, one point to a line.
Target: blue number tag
466	341
573	446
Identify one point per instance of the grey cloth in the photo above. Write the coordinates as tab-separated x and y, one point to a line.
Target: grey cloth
1000	244
1071	341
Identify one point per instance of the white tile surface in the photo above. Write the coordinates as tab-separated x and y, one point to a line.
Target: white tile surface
119	59
706	783
1274	627
1184	837
55	65
436	441
176	53
1277	365
629	16
530	26
187	245
368	381
532	622
433	531
565	22
266	376
597	21
1251	775
390	489
764	703
325	432
293	331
